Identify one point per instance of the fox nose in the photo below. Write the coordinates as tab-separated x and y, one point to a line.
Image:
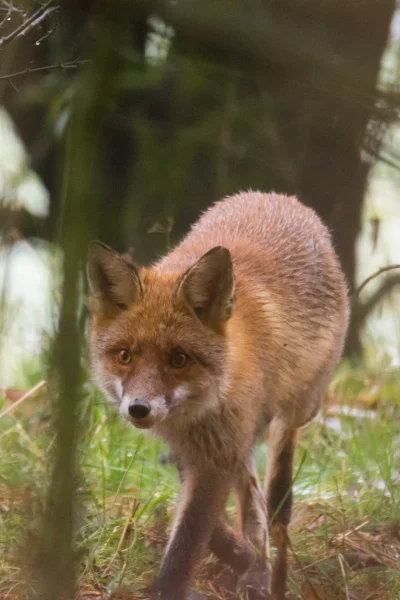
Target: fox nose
139	409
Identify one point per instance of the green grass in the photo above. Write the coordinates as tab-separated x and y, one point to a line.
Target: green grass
346	511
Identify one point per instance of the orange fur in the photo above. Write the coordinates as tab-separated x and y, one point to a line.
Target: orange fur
263	326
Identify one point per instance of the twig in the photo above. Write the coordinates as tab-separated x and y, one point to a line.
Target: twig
165	230
346	587
37	21
46	35
371	277
363	524
366	307
28	394
67	65
8	9
33	20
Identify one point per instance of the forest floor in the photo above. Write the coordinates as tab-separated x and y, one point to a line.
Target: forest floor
345	529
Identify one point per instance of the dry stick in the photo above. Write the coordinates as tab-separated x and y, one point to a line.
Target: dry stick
340	559
371	277
28	394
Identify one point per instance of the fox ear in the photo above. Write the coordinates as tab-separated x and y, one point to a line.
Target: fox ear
114	281
208	287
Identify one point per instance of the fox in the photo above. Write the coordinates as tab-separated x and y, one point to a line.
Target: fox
228	340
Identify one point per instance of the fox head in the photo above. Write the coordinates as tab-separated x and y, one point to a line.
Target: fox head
158	338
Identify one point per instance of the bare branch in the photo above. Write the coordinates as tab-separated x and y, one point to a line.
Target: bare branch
37	21
373	276
363	310
67	65
8	13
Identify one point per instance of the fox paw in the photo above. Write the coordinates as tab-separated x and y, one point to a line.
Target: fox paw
255	584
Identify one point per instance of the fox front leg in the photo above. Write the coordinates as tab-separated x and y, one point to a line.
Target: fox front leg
225	543
203	496
255	583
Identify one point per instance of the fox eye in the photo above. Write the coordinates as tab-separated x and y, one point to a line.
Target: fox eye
125	356
178	359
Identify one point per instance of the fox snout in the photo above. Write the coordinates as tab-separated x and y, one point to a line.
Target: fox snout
139	412
139	409
144	412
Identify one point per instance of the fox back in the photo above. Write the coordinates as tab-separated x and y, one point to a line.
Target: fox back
262	317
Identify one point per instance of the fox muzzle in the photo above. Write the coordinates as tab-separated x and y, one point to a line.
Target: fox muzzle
139	409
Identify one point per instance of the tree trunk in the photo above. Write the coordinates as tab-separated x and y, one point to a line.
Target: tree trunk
332	173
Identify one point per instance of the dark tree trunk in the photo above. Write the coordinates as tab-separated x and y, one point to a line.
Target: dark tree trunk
332	173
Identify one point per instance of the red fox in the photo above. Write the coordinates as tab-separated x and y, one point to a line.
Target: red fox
233	334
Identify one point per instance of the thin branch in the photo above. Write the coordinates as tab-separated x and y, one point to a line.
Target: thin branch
47	34
8	13
67	65
373	276
37	21
33	20
363	311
